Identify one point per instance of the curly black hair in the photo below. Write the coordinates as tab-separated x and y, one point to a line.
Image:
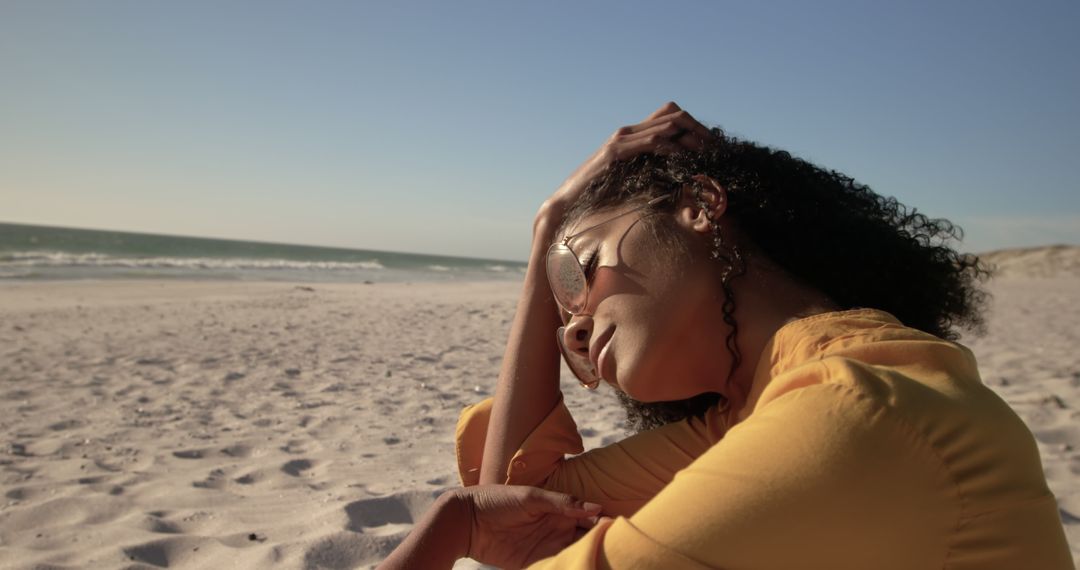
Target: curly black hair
820	226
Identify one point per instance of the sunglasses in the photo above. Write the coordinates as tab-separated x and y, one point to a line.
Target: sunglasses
570	287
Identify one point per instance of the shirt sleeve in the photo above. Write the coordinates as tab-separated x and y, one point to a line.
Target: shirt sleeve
621	477
821	477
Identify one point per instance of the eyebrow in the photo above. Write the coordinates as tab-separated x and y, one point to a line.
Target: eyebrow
584	244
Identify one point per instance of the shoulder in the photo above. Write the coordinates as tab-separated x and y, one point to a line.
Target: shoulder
842	433
829	411
868	351
815	464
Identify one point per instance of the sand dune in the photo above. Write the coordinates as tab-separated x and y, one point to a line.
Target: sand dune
239	425
1045	261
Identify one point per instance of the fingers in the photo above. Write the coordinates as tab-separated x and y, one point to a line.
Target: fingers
587	524
679	116
666	134
583	509
560	503
666	129
680	131
664	109
648	144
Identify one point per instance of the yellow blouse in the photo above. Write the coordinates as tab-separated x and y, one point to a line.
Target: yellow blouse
864	444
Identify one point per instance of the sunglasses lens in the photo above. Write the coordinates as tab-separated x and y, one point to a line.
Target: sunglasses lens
566	278
578	363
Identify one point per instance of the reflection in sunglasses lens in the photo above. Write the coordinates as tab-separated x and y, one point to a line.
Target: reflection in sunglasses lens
566	278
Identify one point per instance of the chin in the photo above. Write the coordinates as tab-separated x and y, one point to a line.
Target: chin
657	390
645	390
645	385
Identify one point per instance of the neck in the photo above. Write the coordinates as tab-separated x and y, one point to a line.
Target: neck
766	299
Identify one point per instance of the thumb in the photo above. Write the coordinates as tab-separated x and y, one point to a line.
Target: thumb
563	504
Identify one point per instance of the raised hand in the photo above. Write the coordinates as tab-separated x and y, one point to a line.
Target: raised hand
667	129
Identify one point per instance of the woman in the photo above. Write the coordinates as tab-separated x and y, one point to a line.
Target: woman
782	337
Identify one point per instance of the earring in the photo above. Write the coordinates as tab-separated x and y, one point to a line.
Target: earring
718	241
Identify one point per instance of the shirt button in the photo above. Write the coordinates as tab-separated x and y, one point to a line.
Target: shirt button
519	464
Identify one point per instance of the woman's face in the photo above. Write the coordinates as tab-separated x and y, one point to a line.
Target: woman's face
655	309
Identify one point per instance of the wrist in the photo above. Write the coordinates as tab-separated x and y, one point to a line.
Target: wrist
549	217
455	509
438	540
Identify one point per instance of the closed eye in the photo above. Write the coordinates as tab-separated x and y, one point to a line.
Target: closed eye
589	264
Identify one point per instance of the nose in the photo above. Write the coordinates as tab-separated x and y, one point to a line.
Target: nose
577	334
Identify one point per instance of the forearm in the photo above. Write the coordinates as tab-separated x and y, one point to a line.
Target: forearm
437	541
528	386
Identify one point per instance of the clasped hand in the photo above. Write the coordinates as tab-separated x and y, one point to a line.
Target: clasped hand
514	526
508	526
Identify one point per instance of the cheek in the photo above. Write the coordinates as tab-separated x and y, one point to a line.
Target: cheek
675	349
667	346
653	358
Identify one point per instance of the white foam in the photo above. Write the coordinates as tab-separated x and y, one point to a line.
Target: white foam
65	259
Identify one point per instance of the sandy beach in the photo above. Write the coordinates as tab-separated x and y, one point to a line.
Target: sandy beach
180	424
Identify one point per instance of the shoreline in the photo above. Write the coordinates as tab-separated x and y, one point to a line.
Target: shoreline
34	294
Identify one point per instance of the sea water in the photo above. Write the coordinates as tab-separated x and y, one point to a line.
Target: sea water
42	252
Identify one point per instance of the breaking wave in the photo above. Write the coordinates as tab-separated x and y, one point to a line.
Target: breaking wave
67	259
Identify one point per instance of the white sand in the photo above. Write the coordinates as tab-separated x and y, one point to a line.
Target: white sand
239	425
201	425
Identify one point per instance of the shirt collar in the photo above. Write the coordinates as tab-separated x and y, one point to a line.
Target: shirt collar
806	339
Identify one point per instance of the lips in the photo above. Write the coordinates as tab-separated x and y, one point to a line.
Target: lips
597	346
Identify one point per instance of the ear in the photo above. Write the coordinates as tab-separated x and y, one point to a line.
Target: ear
692	215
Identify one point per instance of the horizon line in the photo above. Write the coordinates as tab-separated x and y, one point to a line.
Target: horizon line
263	242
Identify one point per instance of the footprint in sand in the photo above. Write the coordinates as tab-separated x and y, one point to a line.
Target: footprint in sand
251	478
302	467
243	450
190	453
376	526
30	493
348	550
216	479
160	525
67	424
383	516
300	446
177	551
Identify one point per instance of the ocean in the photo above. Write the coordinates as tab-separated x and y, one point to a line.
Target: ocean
42	252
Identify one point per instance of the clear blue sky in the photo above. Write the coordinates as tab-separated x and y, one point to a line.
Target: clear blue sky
440	127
